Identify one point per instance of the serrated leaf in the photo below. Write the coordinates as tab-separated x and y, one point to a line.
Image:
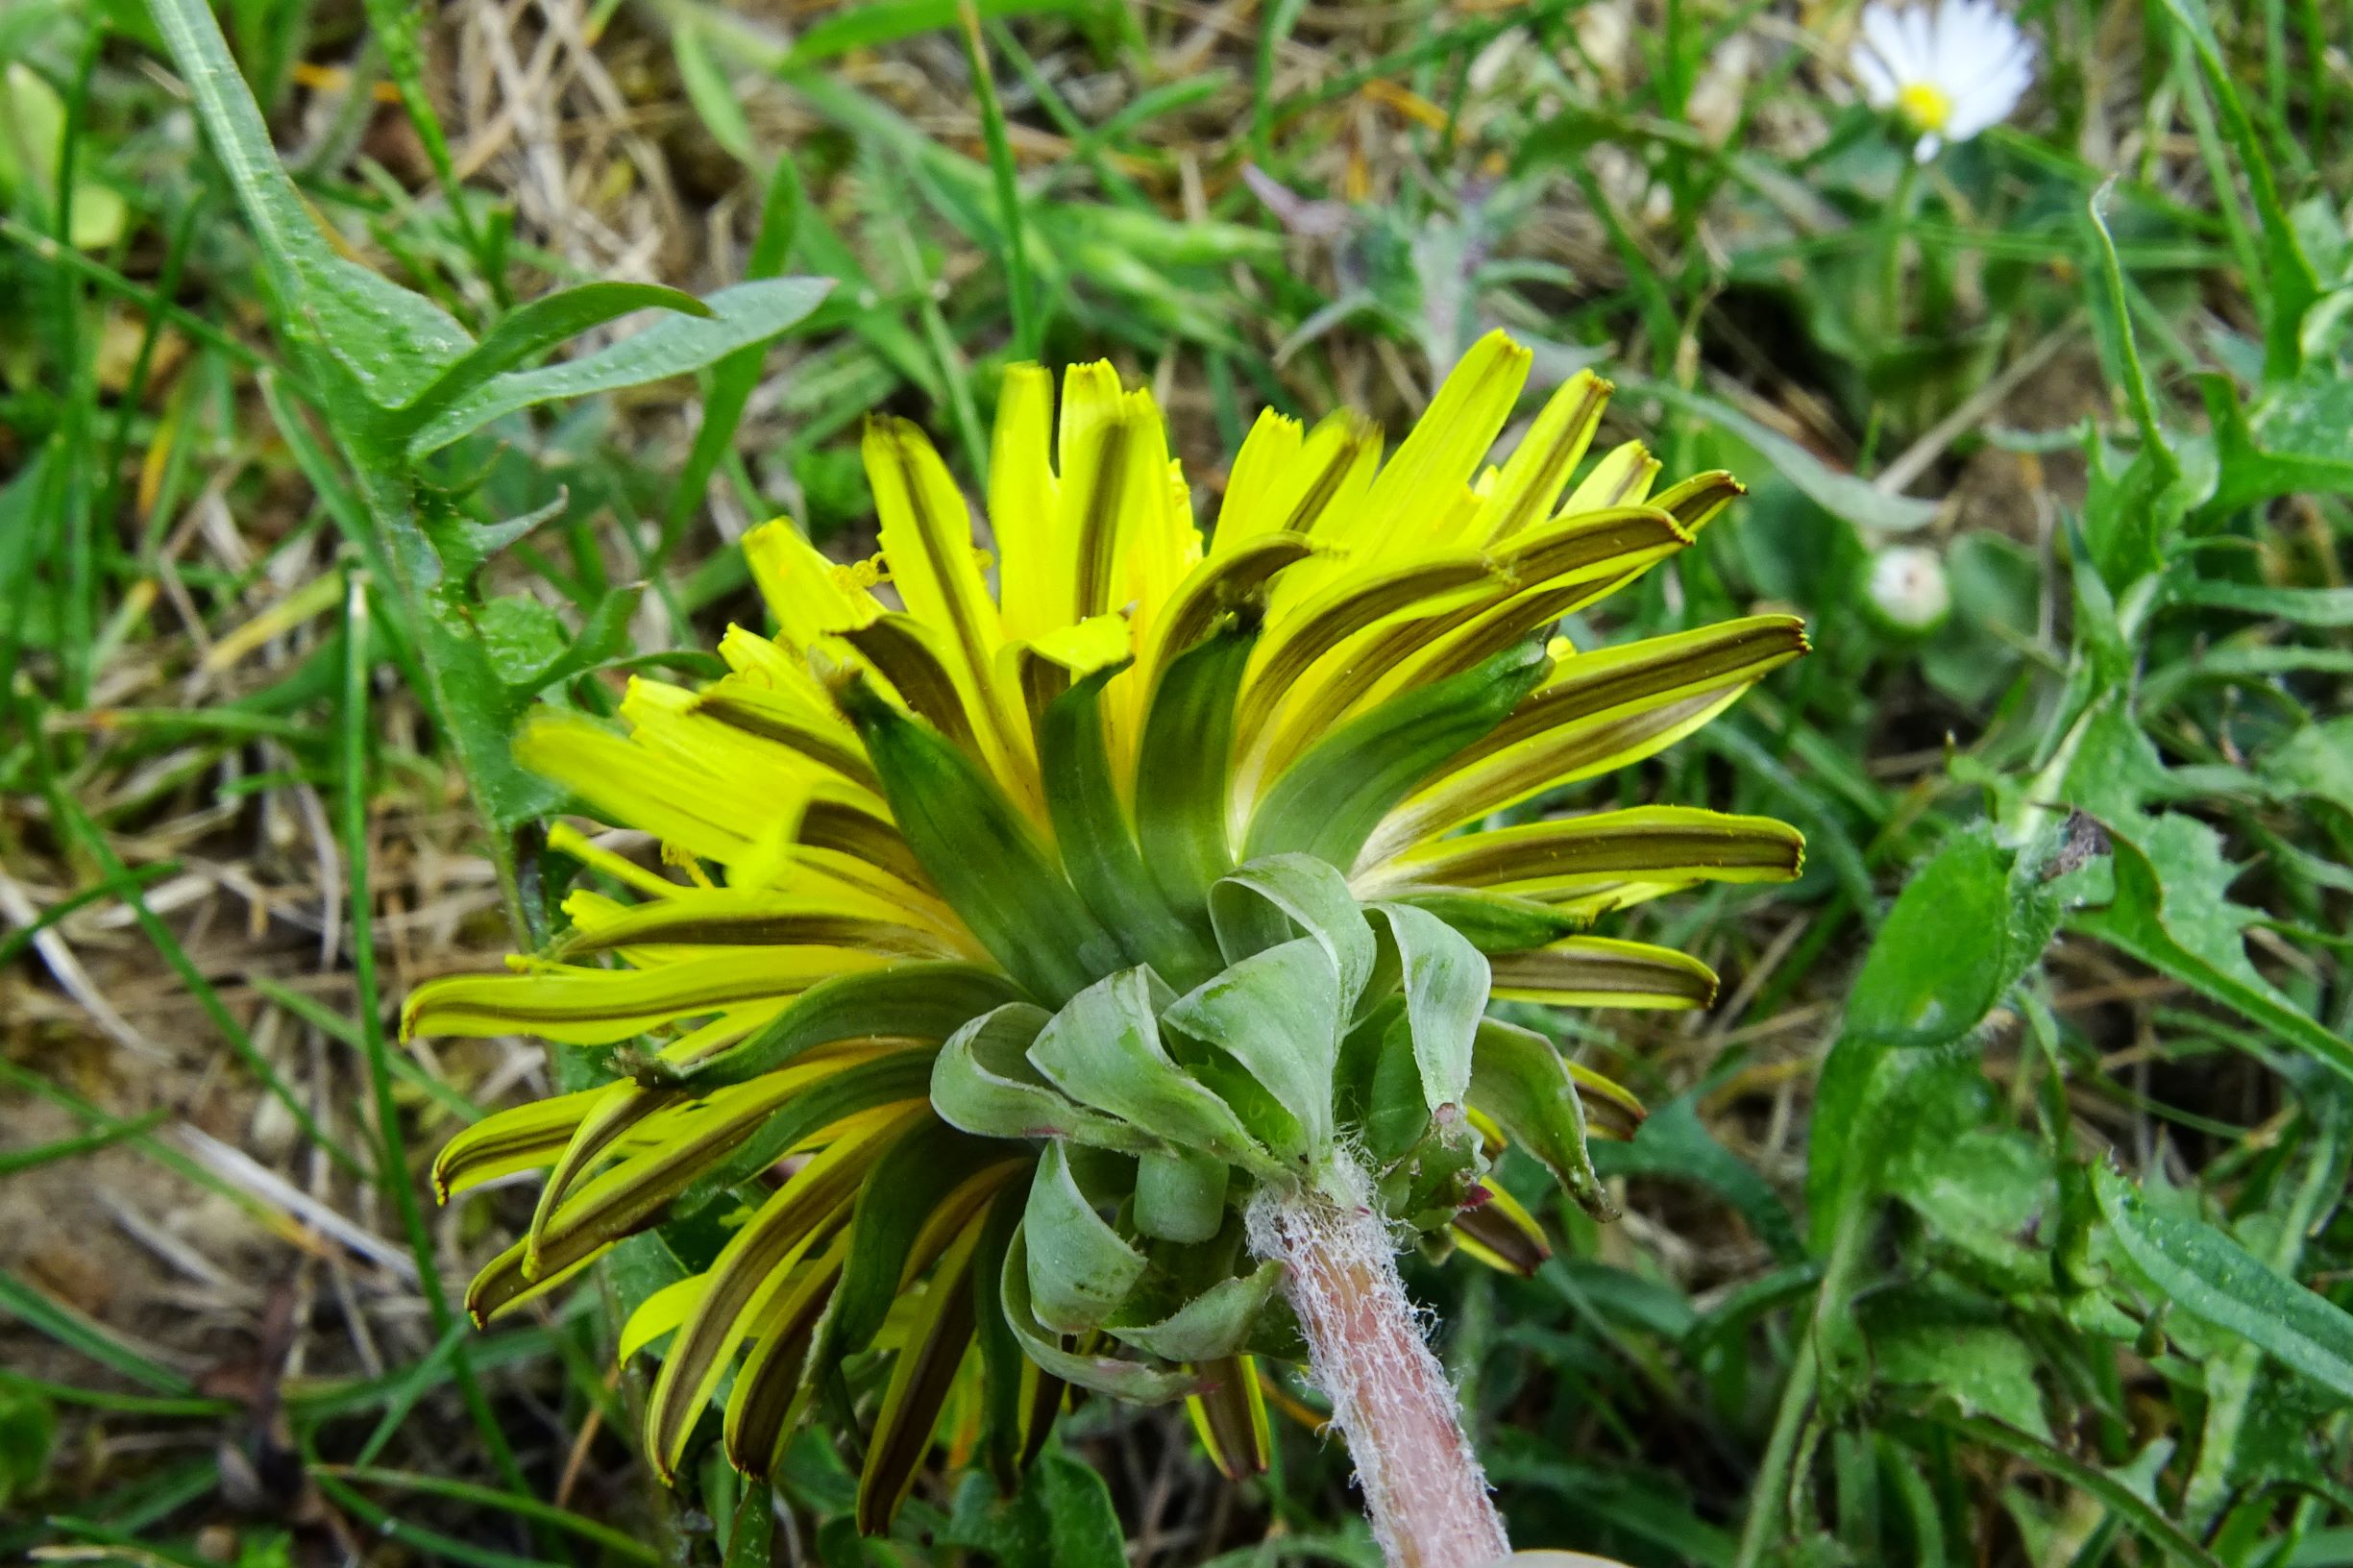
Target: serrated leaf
520	633
1984	1368
2172	911
739	316
1062	1517
2205	1273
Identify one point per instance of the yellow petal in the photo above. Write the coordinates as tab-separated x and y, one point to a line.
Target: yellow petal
811	597
661	1312
1267	452
1599	854
1621	477
1540	468
635	786
597	1007
1445	450
1600	971
1598	712
1023	507
927	537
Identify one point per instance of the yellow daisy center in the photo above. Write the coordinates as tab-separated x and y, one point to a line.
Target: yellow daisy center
1925	105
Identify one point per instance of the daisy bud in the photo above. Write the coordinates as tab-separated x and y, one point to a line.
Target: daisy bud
1906	589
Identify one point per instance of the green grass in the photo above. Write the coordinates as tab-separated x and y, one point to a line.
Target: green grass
1995	1217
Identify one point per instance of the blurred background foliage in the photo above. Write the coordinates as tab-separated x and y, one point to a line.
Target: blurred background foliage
1994	1217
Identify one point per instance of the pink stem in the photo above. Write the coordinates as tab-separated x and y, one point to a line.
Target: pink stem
1423	1488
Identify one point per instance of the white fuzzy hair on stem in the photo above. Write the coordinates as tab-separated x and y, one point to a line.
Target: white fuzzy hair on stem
1423	1488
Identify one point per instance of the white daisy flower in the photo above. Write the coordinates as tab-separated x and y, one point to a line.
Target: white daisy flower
1951	70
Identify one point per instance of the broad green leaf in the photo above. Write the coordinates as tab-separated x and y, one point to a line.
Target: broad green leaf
1062	1517
736	317
1983	1190
1079	1268
1944	955
1963	931
1211	1325
2316	761
1279	1014
2172	911
1985	1369
2294	440
604	633
521	633
2205	1273
1445	980
1520	1082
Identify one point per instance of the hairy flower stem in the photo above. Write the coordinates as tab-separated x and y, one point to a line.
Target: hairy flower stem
1423	1488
